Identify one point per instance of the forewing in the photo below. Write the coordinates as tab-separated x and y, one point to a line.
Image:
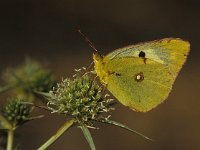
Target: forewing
140	95
171	52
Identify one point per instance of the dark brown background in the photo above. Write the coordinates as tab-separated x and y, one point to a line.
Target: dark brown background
46	30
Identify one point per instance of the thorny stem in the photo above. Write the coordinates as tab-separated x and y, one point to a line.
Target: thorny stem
57	135
10	139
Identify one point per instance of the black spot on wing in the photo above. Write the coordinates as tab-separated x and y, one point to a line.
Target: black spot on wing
113	73
117	74
142	54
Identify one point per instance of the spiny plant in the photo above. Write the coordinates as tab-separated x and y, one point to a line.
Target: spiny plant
83	101
16	112
13	115
27	79
23	82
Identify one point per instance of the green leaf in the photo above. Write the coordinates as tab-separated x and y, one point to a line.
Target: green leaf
47	95
32	104
4	124
124	127
88	136
34	117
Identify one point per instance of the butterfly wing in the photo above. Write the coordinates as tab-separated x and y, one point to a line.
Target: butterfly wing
171	52
137	85
141	76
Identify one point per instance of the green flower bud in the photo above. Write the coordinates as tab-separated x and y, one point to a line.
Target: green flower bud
16	112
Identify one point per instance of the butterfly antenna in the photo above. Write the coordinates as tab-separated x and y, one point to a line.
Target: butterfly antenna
87	40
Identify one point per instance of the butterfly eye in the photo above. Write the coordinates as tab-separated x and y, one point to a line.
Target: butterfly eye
142	54
139	77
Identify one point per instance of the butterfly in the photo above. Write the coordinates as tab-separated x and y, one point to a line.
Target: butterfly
141	76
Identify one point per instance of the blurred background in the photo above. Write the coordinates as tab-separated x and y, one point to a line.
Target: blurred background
46	30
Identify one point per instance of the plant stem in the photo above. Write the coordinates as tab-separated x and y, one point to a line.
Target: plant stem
10	139
57	135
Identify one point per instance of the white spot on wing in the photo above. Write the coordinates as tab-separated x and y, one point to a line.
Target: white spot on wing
138	77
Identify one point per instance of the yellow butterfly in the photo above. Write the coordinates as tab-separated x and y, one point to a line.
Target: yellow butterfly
141	76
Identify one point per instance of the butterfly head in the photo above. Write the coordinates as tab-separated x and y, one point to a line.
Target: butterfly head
97	57
99	66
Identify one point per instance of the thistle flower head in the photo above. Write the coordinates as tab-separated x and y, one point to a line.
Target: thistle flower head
16	112
28	78
81	98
